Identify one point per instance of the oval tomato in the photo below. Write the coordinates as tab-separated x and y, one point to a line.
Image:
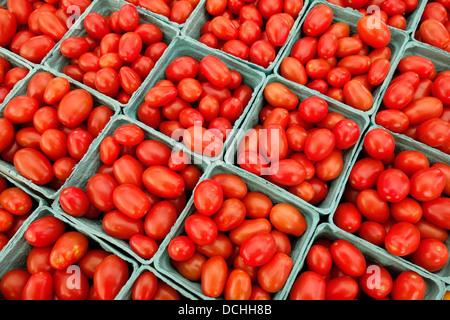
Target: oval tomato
110	276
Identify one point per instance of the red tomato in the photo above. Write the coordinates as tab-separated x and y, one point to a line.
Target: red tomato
9	25
36	48
319	259
341	288
201	229
372	232
6	133
44	231
145	286
376	37
163	182
437	211
308	286
434	33
75	107
215	71
181	248
402	239
431	254
13	282
372	206
348	258
319	144
393	185
273	275
74	201
110	276
68	249
277	29
121	226
288	219
262	53
379	144
230	215
64	289
160	219
347	217
408	285
33	165
427	184
214	276
317	21
131	200
39	286
16	201
99	189
258	249
238	286
383	283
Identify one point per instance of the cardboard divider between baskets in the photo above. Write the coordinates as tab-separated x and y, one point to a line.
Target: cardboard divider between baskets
435	288
58	61
440	59
92	163
15	257
193	28
351	17
183	46
8	168
302	92
162	259
403	144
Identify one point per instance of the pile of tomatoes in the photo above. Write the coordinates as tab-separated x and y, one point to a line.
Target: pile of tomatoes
31	28
57	254
329	59
116	55
338	270
393	12
9	76
198	102
398	201
177	11
250	30
148	286
138	192
236	243
297	145
434	25
16	206
416	103
47	131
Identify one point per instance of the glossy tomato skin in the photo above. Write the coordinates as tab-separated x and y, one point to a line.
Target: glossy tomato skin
38	287
44	231
403	238
383	287
110	276
258	249
213	276
408	285
348	258
273	275
68	249
431	255
308	286
173	185
201	229
121	226
13	282
208	197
